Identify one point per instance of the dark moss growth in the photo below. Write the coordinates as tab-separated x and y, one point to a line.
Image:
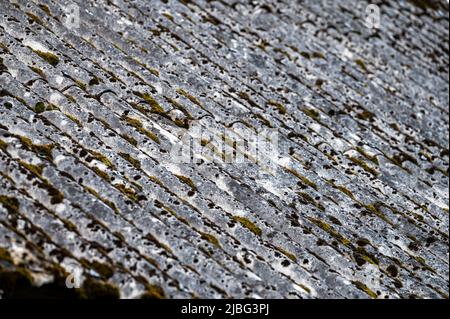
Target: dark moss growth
362	242
94	81
102	174
157	242
190	97
366	256
51	58
168	16
364	166
104	270
92	192
244	96
265	121
362	65
38	71
96	289
366	289
56	197
3	145
102	158
154	292
424	264
81	85
373	159
248	224
34	18
346	191
139	126
311	113
130	140
136	163
330	230
3	67
36	170
211	19
157	181
156	108
320	83
306	55
280	107
45	9
287	254
392	270
318	55
180	107
155	72
306	199
335	221
210	238
40	107
42	150
366	115
130	193
71	98
303	179
401	157
10	203
375	208
187	181
74	119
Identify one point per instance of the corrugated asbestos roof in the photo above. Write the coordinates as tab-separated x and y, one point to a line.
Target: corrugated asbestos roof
355	205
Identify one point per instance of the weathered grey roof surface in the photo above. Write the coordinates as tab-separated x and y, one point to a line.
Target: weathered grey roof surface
355	207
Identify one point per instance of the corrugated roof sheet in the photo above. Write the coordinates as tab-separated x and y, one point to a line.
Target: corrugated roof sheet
96	95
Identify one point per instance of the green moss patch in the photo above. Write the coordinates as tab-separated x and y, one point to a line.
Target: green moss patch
248	224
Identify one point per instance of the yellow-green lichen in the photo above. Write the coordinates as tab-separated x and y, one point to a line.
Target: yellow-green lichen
302	178
373	159
368	257
74	119
42	150
190	97
51	58
287	254
38	71
156	107
210	238
375	208
364	166
102	158
314	114
280	107
187	181
10	203
307	199
366	289
130	193
330	230
101	173
130	139
362	65
3	145
140	127
248	224
35	169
